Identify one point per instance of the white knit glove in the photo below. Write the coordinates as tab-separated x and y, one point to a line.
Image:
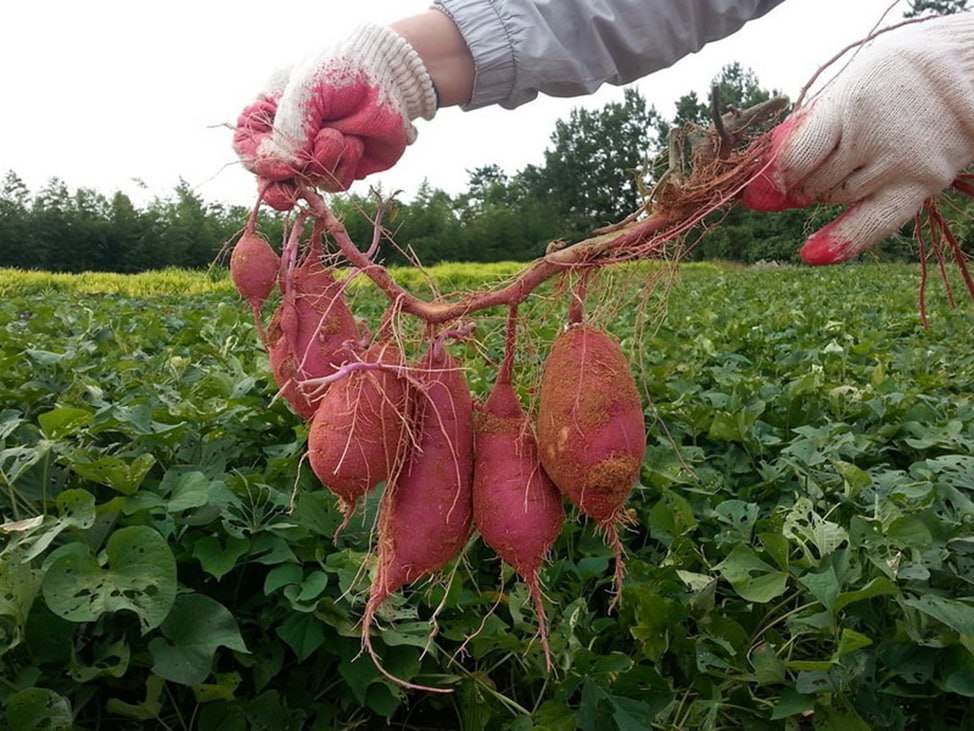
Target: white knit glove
894	128
337	116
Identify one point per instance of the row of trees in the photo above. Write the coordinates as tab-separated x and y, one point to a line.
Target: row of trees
83	230
596	170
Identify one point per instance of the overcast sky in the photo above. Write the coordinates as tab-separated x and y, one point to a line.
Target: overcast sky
104	93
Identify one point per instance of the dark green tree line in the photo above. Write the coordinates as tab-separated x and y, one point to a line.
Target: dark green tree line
72	231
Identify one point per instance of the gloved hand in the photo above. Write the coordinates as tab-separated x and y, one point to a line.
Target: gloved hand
894	128
337	116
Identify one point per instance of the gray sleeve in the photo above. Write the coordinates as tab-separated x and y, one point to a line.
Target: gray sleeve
571	47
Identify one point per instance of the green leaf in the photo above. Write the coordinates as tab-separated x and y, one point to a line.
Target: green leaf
224	689
738	514
304	597
10	420
850	641
777	548
724	427
194	629
627	713
830	718
814	681
824	586
192	490
792	703
880	586
855	479
39	708
15	461
768	667
114	472
32	537
284	575
63	422
956	615
19	584
109	659
303	633
149	709
805	525
140	576
751	577
631	714
218	560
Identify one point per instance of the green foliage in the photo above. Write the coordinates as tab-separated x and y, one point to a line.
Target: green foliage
591	171
920	8
802	555
65	231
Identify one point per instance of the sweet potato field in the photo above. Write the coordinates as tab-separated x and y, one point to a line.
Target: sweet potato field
799	548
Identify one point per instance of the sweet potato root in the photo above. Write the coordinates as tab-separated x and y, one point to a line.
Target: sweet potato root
591	431
516	507
425	514
358	433
312	332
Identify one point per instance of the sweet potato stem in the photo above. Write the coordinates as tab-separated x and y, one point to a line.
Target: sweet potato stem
506	370
582	254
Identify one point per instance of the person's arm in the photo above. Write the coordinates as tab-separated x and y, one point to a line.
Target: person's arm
444	52
521	48
347	112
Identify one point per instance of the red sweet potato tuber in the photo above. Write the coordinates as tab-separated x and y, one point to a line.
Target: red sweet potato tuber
591	432
312	332
253	268
358	432
516	507
425	514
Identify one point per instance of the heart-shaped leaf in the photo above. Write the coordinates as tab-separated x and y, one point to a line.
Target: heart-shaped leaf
194	629
140	576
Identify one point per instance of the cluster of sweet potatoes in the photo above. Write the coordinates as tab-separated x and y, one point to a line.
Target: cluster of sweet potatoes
450	466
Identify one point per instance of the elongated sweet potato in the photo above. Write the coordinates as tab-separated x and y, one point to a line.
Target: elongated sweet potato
425	514
591	432
516	507
311	333
358	433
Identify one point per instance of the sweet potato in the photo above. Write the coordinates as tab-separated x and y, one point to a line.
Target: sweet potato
425	513
357	435
591	432
253	268
312	332
516	507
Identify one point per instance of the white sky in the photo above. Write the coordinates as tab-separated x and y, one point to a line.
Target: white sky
103	92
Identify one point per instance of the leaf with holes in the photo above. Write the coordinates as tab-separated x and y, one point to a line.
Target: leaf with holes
140	576
18	586
115	472
38	708
30	538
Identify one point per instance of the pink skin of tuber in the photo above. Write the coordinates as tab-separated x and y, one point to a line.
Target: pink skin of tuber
254	267
313	331
516	507
425	513
591	431
358	433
